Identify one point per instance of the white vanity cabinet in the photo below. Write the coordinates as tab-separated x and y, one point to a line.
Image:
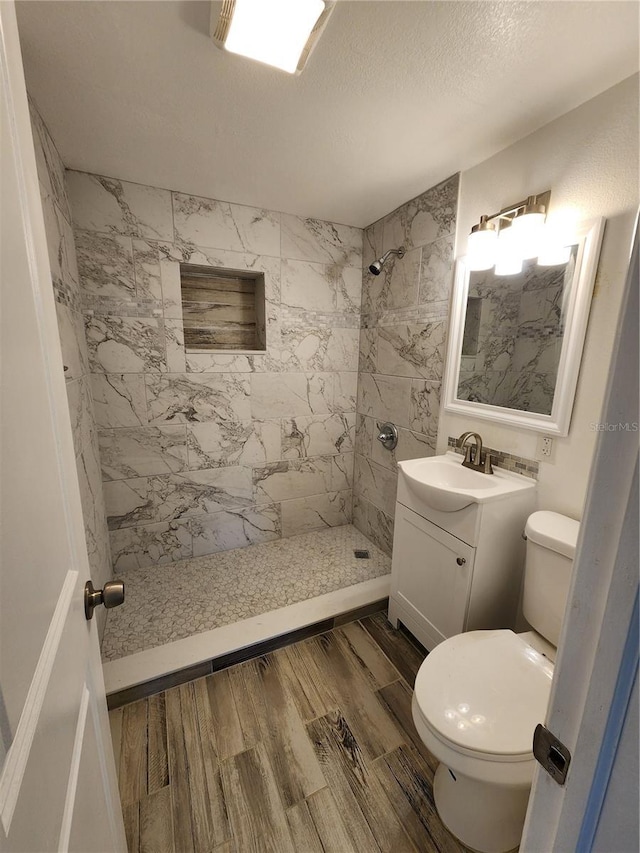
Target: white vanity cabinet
457	571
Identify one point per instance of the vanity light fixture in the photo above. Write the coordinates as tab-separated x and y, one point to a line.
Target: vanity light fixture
280	33
514	234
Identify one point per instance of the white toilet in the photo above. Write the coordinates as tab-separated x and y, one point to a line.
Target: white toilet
479	696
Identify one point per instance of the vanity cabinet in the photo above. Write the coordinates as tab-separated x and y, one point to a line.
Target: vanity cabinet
457	571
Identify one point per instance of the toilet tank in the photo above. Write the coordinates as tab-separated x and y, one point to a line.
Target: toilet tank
551	546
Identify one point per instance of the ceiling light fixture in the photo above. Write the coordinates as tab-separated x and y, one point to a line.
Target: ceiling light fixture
513	235
280	33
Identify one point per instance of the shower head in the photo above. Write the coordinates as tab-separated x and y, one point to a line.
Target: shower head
376	267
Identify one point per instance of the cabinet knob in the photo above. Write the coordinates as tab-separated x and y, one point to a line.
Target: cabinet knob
460	561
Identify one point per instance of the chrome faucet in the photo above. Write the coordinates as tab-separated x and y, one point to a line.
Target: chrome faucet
477	461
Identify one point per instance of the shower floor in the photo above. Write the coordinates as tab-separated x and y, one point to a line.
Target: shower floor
172	602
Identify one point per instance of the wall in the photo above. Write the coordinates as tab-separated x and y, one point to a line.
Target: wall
207	452
402	344
64	274
589	160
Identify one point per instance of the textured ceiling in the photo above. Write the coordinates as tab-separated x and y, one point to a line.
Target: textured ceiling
397	95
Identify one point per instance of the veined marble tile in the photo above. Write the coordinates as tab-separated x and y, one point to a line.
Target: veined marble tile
297	478
308	285
396	286
319	241
222	531
411	445
286	395
48	162
83	426
368	350
380	528
211	362
345	389
384	398
317	435
105	264
323	349
60	246
108	205
372	237
142	451
146	500
225	443
373	523
146	261
207	222
412	350
376	484
94	517
365	428
150	545
321	287
125	344
171	293
119	399
189	397
71	342
423	219
436	271
424	410
174	340
316	513
342	471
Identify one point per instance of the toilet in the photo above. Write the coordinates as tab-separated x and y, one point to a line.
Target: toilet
478	697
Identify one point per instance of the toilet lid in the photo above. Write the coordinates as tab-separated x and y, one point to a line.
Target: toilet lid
485	691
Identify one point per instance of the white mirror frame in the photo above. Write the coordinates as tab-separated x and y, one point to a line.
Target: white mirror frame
588	237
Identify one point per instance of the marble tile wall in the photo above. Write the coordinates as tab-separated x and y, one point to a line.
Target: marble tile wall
404	321
66	286
204	452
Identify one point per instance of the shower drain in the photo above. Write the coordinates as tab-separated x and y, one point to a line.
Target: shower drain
361	554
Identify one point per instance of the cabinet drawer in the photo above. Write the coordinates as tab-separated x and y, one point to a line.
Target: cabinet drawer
431	573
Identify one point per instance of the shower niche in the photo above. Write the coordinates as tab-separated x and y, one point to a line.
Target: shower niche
223	310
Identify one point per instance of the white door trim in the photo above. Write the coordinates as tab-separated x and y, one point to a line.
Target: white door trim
592	646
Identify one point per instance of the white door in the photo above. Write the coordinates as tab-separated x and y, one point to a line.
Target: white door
591	708
58	788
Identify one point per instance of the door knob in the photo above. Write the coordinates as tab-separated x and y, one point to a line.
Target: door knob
460	561
111	595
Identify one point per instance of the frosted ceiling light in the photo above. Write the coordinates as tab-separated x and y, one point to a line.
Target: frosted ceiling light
528	225
280	33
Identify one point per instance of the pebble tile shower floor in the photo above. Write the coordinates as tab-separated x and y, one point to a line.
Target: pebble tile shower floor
167	603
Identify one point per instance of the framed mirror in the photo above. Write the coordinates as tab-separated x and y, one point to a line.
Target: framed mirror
515	341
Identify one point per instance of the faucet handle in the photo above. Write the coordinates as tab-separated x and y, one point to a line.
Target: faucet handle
486	463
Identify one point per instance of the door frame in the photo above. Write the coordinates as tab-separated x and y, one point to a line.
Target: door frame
598	657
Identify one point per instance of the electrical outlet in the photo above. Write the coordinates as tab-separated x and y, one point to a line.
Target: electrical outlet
545	448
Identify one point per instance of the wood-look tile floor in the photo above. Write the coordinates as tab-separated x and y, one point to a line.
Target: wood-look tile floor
310	748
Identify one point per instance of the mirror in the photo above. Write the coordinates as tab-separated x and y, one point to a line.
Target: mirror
515	343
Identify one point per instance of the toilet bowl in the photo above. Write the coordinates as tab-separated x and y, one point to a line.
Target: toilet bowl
479	696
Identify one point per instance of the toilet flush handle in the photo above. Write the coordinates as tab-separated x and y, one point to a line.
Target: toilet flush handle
460	561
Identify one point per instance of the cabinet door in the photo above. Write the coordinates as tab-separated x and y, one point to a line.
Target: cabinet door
431	575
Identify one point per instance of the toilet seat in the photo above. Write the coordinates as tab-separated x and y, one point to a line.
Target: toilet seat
482	693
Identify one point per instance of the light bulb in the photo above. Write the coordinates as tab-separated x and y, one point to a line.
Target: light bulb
528	226
481	246
509	259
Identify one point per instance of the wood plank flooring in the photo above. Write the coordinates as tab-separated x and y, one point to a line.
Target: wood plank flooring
308	749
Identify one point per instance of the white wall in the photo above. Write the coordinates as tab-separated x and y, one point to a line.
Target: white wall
589	160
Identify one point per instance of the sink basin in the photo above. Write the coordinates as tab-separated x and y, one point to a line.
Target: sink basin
443	484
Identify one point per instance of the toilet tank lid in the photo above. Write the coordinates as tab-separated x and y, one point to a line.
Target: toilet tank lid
554	531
